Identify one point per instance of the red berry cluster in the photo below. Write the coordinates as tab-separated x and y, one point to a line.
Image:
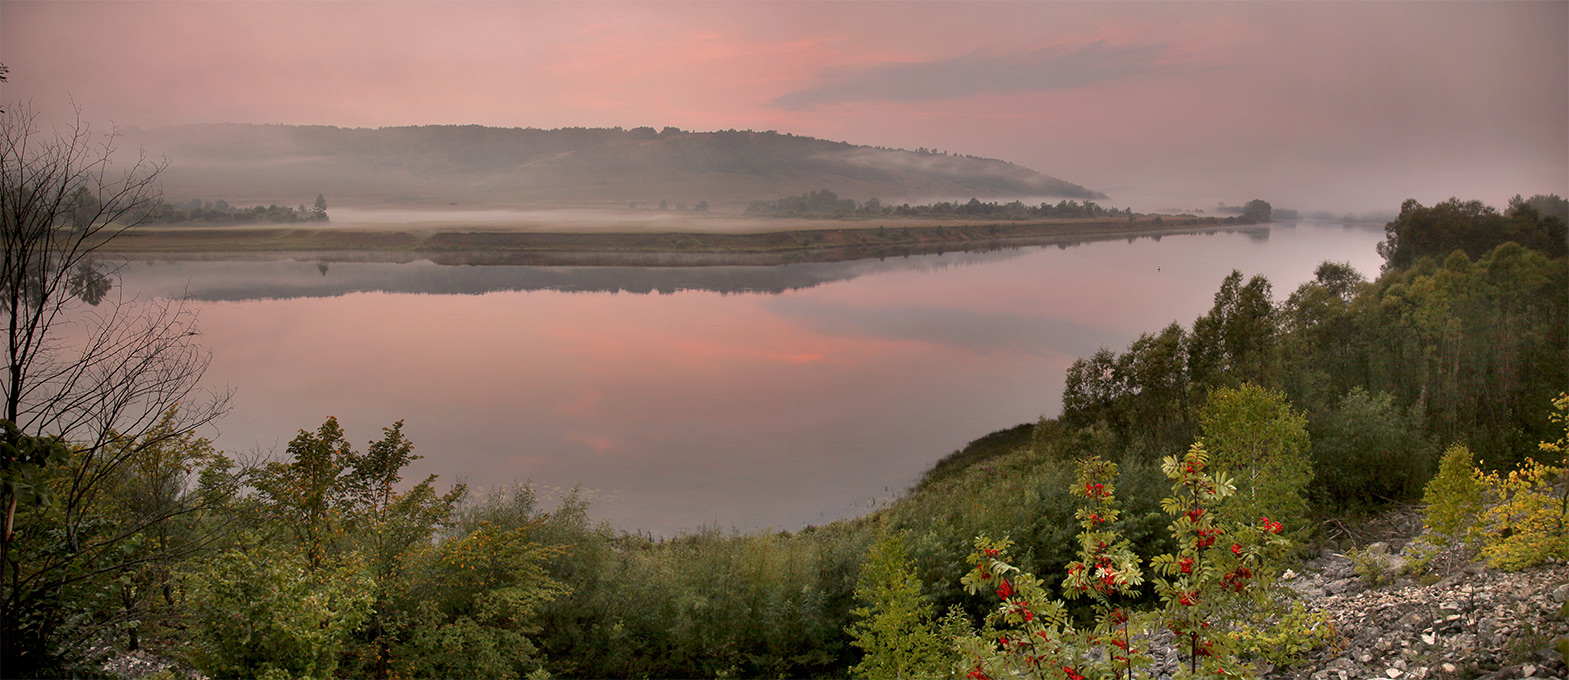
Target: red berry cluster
1235	580
1270	525
1207	537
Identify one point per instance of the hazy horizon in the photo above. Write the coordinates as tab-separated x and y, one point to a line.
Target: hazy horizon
1348	107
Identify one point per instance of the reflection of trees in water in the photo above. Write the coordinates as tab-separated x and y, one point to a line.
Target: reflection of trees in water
458	273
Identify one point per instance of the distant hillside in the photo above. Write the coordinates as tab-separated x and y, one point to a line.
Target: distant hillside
479	167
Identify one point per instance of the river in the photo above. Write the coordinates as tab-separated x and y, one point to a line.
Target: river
742	397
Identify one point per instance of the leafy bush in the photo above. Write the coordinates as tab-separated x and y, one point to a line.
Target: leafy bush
1453	497
894	625
261	612
1520	517
1204	587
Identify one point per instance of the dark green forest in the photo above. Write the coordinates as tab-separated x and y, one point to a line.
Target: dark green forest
326	563
197	211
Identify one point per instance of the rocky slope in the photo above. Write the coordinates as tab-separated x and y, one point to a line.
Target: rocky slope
1453	617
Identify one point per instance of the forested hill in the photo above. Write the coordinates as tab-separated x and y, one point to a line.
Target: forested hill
476	167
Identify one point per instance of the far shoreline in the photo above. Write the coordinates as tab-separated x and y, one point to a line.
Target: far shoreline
813	241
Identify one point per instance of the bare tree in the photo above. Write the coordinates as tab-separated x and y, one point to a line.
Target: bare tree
107	375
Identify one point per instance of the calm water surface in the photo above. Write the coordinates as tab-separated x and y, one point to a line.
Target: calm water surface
746	397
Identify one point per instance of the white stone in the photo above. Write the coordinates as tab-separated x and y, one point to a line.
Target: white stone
1393	673
1429	639
1449	668
1528	670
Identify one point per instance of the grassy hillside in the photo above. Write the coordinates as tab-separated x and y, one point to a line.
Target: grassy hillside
480	167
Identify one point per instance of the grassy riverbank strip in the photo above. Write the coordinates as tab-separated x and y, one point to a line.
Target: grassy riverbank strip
511	245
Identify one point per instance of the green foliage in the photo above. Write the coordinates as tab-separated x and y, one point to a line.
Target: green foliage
1285	642
263	612
1372	568
475	603
1254	434
1468	226
1453	497
1203	587
1258	211
1366	451
209	212
993	445
1520	517
83	568
894	624
1524	522
23	461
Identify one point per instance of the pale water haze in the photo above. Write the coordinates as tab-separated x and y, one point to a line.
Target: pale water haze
827	389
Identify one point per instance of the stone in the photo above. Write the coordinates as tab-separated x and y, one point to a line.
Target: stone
1379	548
1527	670
1561	593
1289	575
1393	672
1429	640
1449	668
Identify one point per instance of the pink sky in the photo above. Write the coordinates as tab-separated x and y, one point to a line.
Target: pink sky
1323	105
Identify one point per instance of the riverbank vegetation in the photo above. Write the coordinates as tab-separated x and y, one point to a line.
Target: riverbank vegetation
1338	398
890	239
827	204
220	212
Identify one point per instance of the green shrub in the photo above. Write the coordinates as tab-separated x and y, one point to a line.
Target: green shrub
1453	497
263	613
894	625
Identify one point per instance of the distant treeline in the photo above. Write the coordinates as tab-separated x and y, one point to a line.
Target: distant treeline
827	204
220	212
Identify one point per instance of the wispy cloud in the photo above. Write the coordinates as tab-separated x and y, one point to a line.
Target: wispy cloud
986	71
